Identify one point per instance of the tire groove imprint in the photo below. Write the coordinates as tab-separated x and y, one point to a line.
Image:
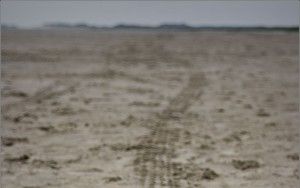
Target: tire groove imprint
153	162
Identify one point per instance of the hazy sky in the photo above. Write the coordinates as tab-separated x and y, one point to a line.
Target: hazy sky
35	13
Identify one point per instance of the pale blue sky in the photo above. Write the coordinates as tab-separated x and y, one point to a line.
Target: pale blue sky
247	13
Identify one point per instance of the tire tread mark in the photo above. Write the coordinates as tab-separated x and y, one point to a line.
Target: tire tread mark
153	163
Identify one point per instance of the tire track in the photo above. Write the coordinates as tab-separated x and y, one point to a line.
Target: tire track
45	93
153	163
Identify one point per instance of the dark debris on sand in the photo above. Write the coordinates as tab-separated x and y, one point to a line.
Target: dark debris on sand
22	158
112	179
209	174
293	156
245	165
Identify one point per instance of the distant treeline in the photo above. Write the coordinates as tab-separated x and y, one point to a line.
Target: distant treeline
193	28
65	25
6	26
175	27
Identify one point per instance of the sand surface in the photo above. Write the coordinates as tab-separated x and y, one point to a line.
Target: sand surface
149	109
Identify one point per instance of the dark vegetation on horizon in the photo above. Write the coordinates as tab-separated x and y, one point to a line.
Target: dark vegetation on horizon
176	27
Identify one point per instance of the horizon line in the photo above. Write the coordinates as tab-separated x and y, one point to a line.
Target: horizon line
150	26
